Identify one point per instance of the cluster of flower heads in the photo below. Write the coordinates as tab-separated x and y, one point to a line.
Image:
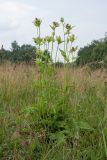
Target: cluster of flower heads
68	37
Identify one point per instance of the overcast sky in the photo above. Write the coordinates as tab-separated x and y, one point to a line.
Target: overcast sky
16	18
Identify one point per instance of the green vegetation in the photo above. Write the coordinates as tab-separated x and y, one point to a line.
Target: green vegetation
49	113
24	53
42	120
94	53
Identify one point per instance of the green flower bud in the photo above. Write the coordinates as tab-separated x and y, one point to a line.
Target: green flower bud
72	38
49	39
38	40
55	24
68	27
73	49
37	22
59	40
52	27
62	20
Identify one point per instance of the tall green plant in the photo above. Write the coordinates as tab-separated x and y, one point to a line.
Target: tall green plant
50	114
54	44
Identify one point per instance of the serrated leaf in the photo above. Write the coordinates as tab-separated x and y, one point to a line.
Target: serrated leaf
64	55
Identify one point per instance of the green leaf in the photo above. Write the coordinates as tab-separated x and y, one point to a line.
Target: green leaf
58	136
85	126
38	40
64	55
104	141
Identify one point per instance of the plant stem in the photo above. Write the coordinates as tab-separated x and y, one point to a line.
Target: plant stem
64	59
104	141
56	53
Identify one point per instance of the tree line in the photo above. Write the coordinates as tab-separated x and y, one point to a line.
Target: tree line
93	53
23	53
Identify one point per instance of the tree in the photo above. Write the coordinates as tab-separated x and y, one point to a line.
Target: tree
24	53
27	53
15	46
94	52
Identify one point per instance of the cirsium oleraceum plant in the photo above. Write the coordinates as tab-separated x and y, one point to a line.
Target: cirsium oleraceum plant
54	45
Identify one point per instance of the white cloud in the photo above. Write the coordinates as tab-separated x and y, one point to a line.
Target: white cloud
11	6
16	18
16	21
12	14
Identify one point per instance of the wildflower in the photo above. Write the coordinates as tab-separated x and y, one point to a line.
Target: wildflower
62	20
72	38
55	24
38	40
37	22
49	39
73	49
68	27
52	27
59	40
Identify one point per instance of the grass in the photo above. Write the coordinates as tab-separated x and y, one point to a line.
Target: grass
42	120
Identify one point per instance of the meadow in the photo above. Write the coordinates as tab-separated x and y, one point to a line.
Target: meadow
42	120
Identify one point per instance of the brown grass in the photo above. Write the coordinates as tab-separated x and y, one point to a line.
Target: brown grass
17	91
18	75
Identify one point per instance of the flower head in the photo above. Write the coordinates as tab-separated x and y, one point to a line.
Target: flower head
59	40
38	40
73	49
72	38
62	20
37	22
55	24
68	27
49	39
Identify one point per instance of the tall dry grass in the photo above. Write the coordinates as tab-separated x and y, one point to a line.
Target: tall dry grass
17	136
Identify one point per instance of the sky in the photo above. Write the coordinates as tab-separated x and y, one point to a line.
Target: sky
16	17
